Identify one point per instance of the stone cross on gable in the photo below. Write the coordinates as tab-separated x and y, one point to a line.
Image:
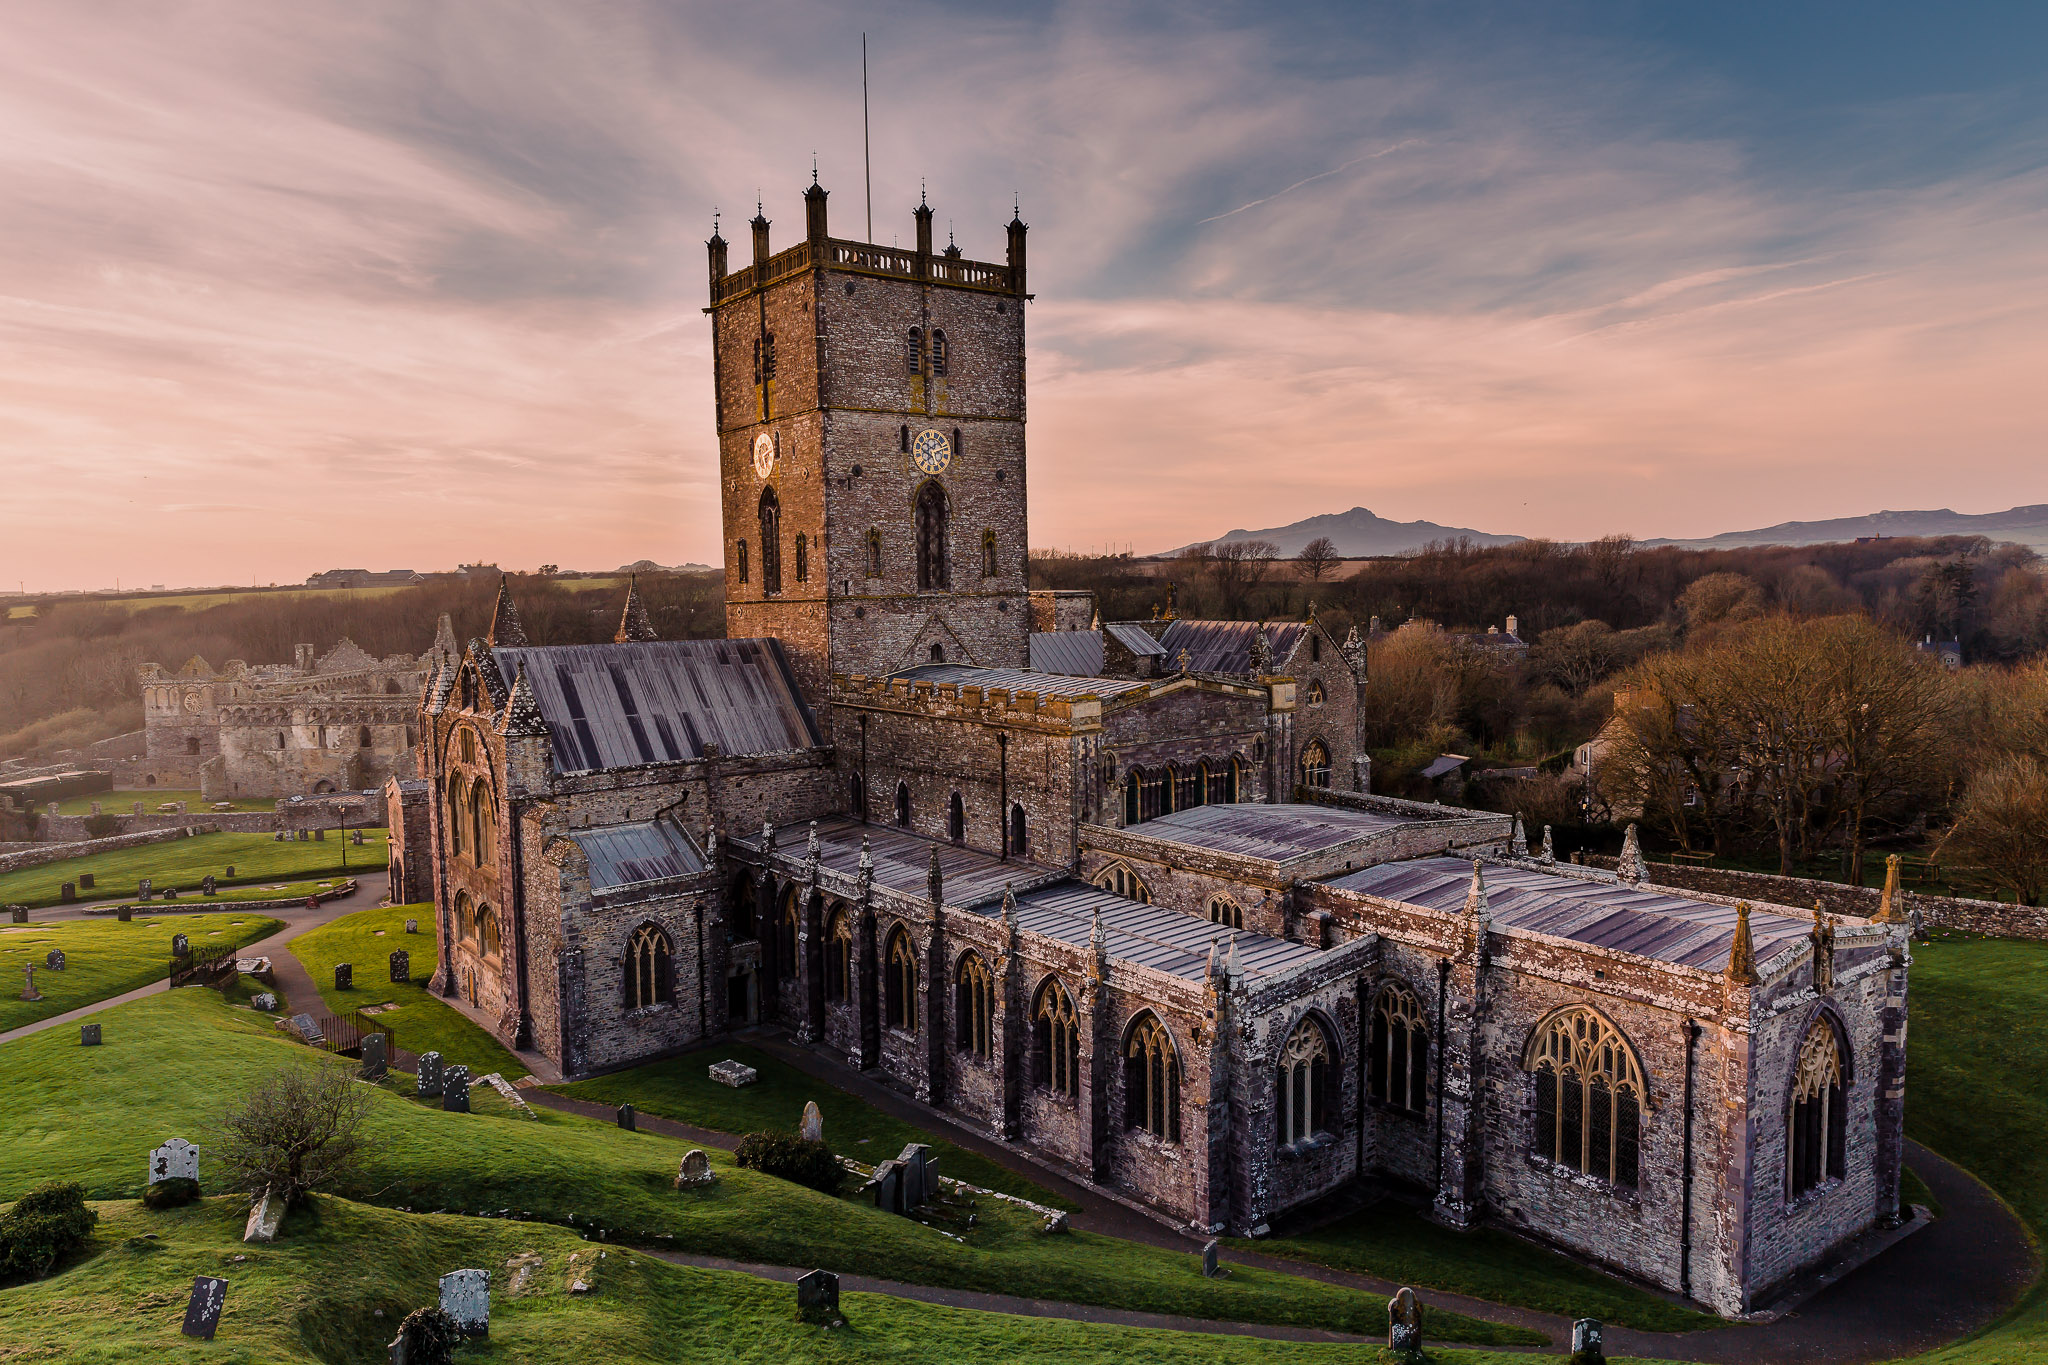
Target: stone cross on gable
1185	662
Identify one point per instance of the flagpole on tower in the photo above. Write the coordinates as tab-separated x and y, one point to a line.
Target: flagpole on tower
866	156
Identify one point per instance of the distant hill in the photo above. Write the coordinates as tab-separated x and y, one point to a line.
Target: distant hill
1359	532
2022	525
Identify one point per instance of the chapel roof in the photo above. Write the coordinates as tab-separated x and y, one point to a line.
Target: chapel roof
627	855
1021	680
1226	646
1274	832
1075	652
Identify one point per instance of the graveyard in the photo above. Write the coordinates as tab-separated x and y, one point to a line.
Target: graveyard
153	797
181	863
104	958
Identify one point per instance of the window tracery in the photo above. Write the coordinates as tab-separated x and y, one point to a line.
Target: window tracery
1815	1153
1305	1068
1056	1040
1400	1050
647	968
974	1006
1152	1080
900	982
1589	1096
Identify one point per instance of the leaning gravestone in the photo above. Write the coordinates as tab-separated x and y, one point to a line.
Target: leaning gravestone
1404	1325
466	1297
266	1215
887	1186
373	1066
401	967
202	1314
412	926
455	1089
813	1127
628	1120
278	837
695	1172
1211	1270
1587	1348
308	1029
428	1082
88	1035
175	1160
181	946
817	1298
54	960
344	976
920	1175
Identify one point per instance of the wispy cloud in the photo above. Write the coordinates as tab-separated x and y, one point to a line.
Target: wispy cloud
1310	180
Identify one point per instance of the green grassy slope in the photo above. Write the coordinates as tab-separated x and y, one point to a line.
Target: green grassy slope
182	862
103	958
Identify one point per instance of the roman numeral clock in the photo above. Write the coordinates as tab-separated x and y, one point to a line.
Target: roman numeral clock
931	452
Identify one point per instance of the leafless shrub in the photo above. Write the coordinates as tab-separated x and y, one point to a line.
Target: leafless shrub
294	1130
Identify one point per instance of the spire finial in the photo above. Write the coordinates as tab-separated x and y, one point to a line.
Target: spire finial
1742	950
714	220
814	168
1016	204
920	191
1888	907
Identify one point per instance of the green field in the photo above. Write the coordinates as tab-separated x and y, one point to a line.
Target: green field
365	940
182	862
680	1088
123	803
104	958
172	1060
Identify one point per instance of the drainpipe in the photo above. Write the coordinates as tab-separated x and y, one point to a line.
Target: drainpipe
1364	1043
522	1032
863	811
1691	1032
1443	991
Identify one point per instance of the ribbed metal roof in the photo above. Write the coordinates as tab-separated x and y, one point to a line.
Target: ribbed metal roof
1135	638
1077	652
1147	935
1020	680
1652	924
902	859
623	855
1275	833
1226	646
662	701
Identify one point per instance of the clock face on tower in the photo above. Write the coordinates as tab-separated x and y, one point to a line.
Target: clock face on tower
931	452
764	454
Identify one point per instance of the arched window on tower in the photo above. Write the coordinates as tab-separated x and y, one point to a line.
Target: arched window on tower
1815	1152
803	558
933	573
903	438
771	542
988	554
874	553
838	956
1020	834
1589	1095
1315	764
363	740
1400	1050
974	1006
1133	786
1307	1063
740	560
1055	1041
647	968
767	357
902	805
899	986
1315	646
956	820
940	353
1151	1080
913	351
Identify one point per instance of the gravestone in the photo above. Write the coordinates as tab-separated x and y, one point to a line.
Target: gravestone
85	880
320	835
1211	1270
412	926
401	967
18	913
88	1035
266	1215
202	1314
813	1129
627	1119
170	893
427	1082
817	1298
29	991
466	1297
175	1160
54	959
54	807
67	893
887	1186
264	1001
184	808
373	1065
95	808
125	914
231	870
695	1172
278	837
734	1074
344	976
455	1089
142	889
1404	1324
356	838
920	1175
1587	1346
307	1029
302	836
181	946
138	808
206	885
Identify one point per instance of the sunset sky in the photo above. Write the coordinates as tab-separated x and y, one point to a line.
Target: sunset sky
291	286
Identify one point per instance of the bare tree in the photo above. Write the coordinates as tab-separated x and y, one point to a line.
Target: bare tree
1317	558
1885	712
1235	568
2003	827
294	1130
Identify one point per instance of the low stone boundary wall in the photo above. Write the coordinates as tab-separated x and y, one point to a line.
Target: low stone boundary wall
1996	918
85	848
195	903
72	827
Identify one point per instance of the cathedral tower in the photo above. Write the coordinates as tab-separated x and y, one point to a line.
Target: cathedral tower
871	450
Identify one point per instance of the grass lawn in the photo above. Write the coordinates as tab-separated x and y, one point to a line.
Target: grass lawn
103	958
1977	1092
123	802
1397	1243
171	1061
182	862
679	1088
366	940
311	1298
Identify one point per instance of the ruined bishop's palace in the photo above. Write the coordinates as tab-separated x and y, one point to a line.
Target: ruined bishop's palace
1113	892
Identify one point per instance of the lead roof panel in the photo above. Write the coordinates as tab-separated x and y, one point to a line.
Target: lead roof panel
1020	680
623	855
1226	646
1275	833
1074	652
1135	638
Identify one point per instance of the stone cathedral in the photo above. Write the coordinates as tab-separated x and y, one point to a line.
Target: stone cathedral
1112	893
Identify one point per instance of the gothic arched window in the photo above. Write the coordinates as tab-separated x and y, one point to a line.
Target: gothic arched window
362	737
771	542
1055	1040
464	922
740	560
1119	880
1305	1071
933	573
457	817
1240	779
874	553
280	739
1315	649
913	351
938	652
1315	693
647	967
1187	787
1226	912
483	825
803	558
1132	791
1815	1152
1217	782
858	791
1151	1080
1589	1095
486	929
974	1006
956	820
1020	835
740	910
902	805
940	353
1315	764
1400	1050
988	554
838	955
785	936
899	985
